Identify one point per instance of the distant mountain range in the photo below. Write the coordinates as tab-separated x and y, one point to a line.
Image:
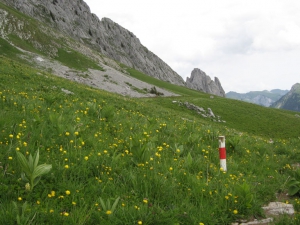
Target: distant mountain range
264	98
276	98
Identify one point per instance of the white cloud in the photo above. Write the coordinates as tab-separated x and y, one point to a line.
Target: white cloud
248	45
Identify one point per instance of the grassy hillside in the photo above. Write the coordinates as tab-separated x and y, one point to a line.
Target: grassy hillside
117	160
245	117
71	154
163	84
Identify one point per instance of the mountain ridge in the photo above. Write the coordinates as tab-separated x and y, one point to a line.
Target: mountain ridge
264	98
290	101
109	38
114	43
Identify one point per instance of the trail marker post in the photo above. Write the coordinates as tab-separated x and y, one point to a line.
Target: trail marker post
222	152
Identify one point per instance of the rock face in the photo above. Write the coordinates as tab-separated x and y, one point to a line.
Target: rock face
202	82
290	101
74	18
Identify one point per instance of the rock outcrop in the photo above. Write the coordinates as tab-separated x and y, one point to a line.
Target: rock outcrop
74	18
202	82
201	111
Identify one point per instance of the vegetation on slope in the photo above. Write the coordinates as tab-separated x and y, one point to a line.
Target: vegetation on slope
163	84
245	117
117	160
290	101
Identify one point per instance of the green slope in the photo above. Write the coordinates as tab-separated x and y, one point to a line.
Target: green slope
158	162
119	160
242	116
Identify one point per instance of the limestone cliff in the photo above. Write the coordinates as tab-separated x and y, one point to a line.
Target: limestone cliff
202	82
74	18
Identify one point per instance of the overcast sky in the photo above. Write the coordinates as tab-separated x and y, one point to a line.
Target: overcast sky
250	45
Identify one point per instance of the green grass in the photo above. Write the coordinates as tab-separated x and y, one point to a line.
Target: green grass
7	49
181	90
163	168
75	60
118	160
33	38
245	117
142	91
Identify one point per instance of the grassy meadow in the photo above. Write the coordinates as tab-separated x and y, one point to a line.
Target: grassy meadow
109	159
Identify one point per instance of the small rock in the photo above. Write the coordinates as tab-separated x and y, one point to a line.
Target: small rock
210	112
262	222
40	59
277	208
67	91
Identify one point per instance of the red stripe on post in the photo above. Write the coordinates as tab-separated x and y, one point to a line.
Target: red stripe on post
222	152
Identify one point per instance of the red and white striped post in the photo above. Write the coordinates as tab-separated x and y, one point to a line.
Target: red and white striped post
222	152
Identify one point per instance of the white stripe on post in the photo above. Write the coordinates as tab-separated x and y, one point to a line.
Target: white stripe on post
222	152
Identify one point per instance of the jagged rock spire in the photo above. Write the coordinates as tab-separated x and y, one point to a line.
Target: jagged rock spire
202	82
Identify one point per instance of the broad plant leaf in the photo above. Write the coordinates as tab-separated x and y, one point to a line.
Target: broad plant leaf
115	204
30	163
36	158
189	159
24	164
36	180
24	207
292	190
102	204
41	170
23	177
108	204
293	182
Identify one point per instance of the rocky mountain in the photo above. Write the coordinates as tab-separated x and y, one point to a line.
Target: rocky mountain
202	82
74	18
61	36
291	100
264	98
